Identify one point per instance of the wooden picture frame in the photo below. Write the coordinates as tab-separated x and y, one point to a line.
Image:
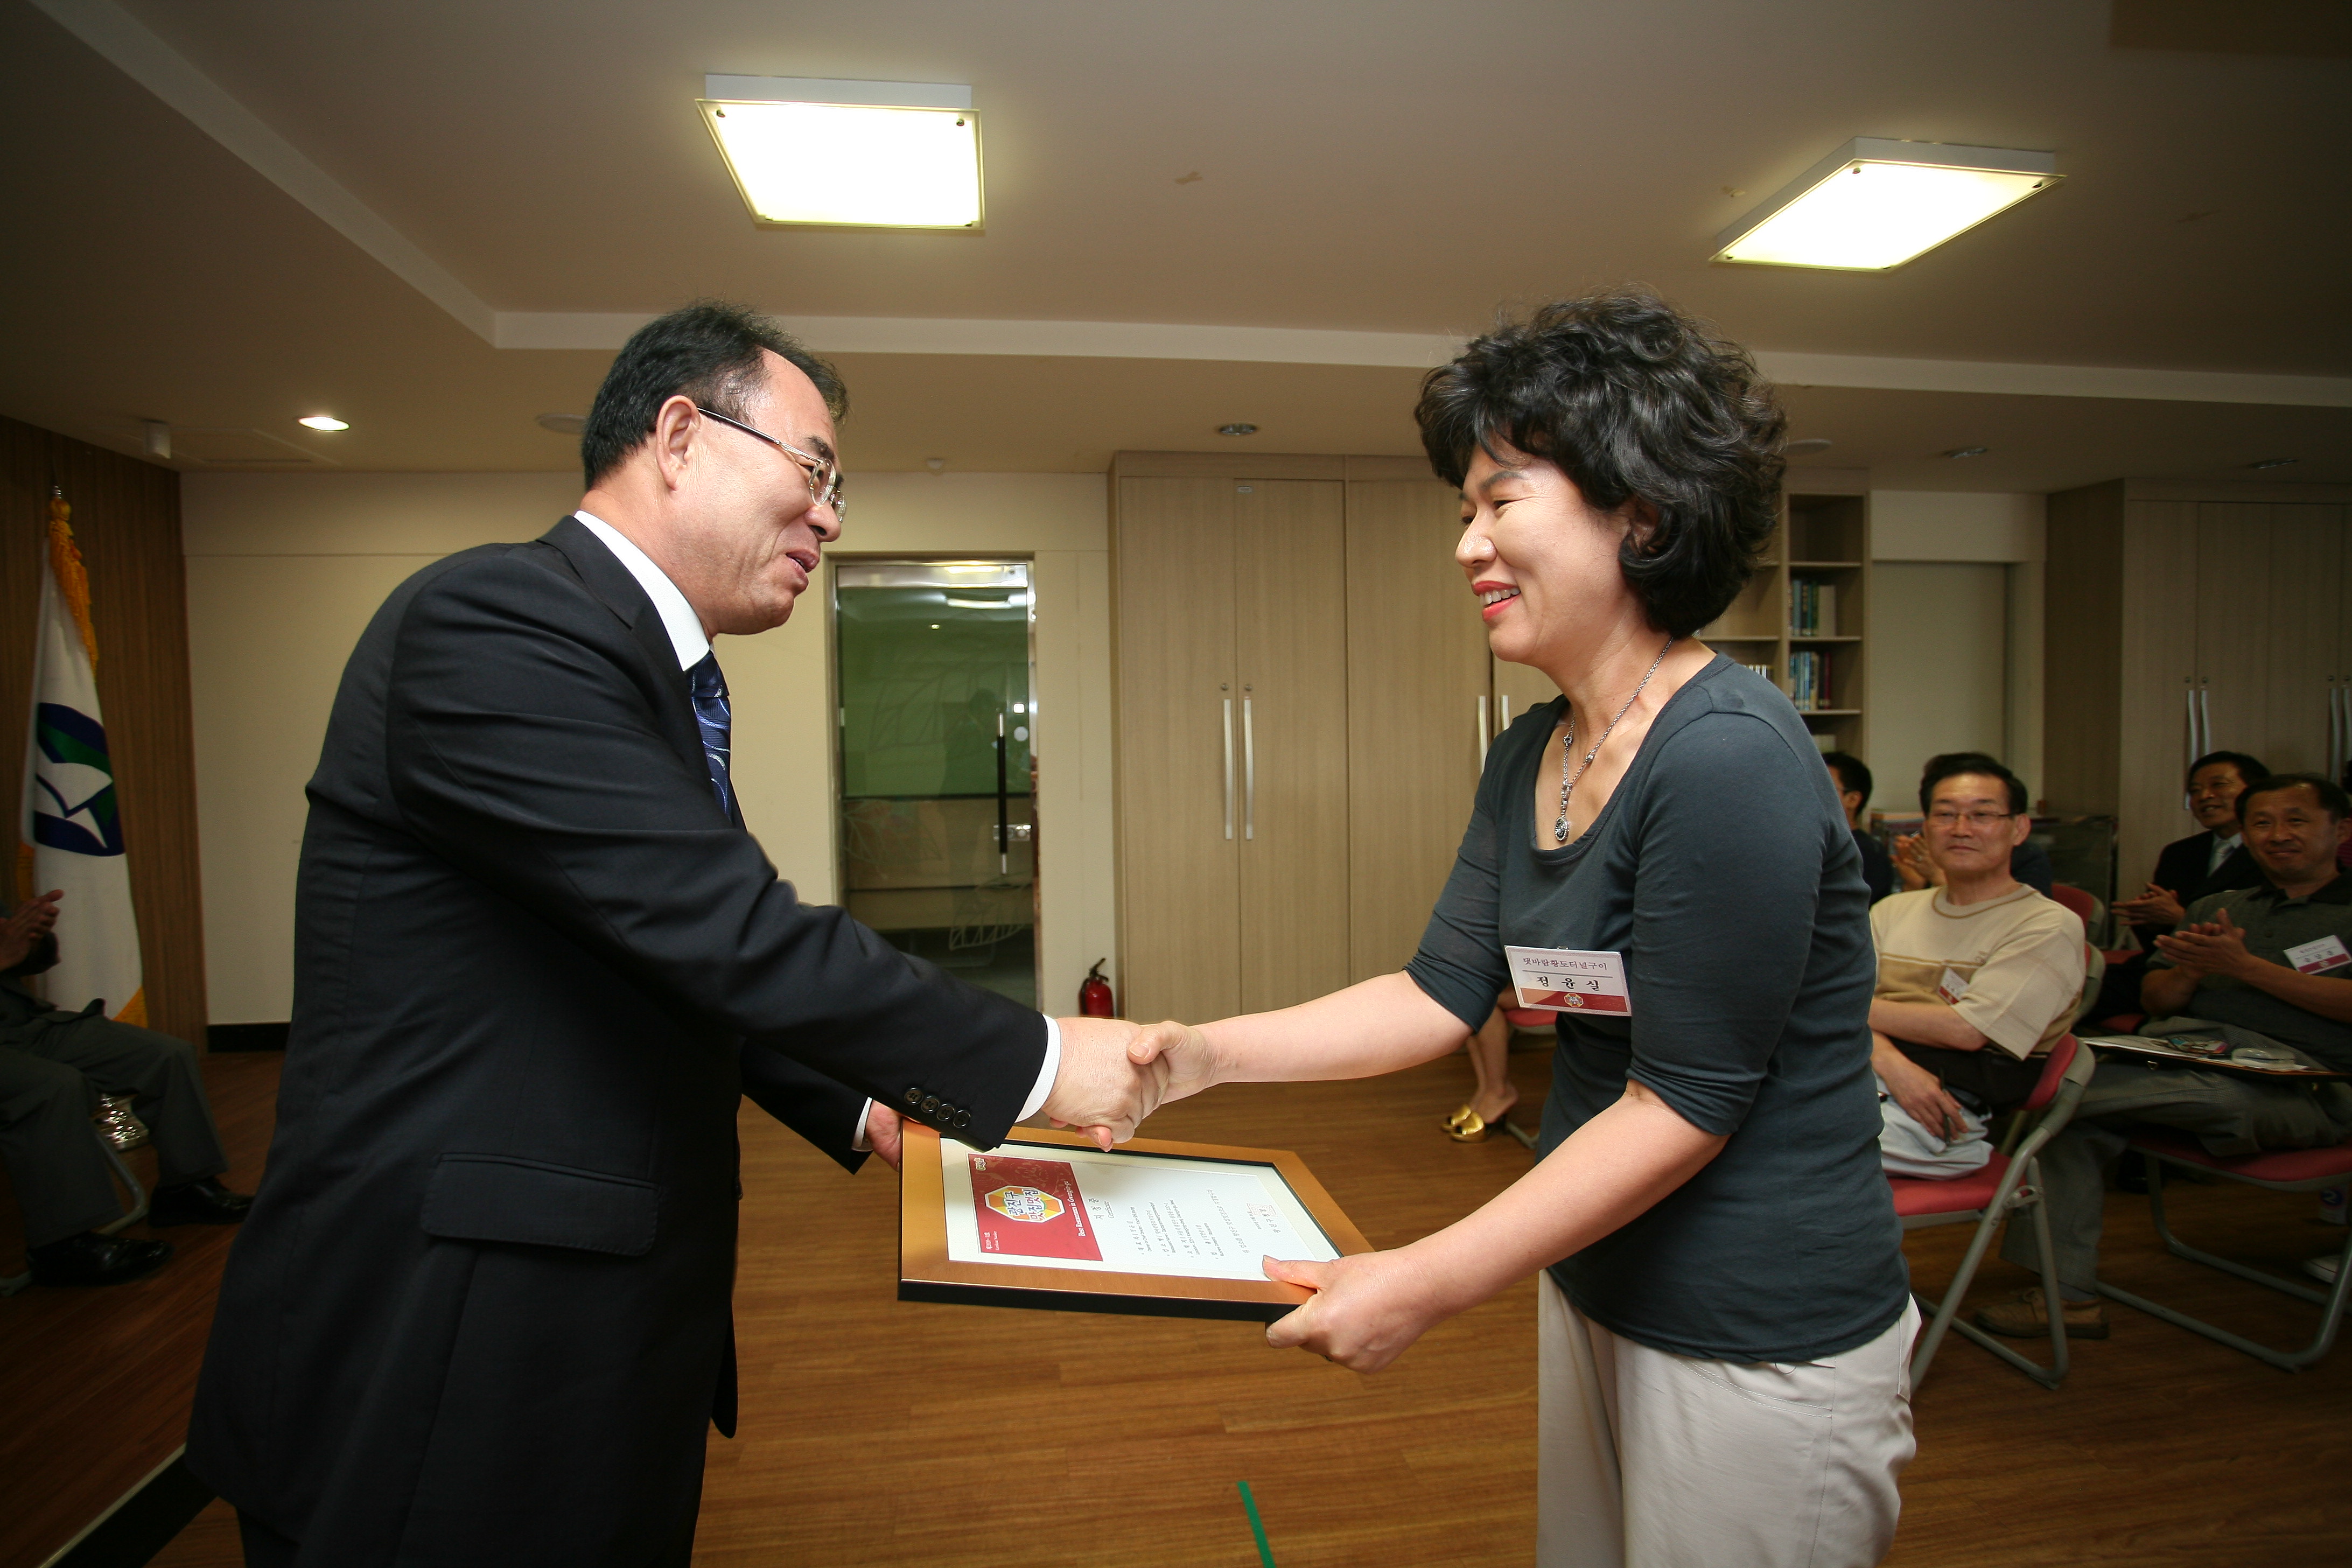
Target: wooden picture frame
927	1272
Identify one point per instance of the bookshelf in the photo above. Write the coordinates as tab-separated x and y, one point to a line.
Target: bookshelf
1805	616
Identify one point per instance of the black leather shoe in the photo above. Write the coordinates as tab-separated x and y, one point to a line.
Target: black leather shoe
201	1202
90	1258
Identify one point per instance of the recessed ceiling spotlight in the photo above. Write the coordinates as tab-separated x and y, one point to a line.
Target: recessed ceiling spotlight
1809	444
1968	451
322	421
936	465
882	154
1237	429
2274	463
562	423
1875	203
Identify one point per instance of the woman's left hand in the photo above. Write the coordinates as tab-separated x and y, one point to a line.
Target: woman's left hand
1367	1309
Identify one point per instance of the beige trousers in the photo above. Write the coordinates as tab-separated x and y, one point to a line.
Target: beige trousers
1649	1459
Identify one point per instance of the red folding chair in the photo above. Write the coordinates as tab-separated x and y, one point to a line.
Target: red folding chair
2007	1184
2285	1170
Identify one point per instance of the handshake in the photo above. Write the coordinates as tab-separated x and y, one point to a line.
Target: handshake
1114	1074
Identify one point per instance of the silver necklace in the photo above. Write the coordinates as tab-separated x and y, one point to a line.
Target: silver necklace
1567	745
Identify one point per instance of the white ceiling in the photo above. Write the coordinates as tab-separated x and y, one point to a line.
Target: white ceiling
1381	174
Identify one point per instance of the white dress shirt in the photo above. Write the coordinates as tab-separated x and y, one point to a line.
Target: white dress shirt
686	637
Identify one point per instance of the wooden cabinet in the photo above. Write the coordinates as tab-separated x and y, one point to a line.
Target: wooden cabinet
2183	620
1302	695
1417	688
1230	637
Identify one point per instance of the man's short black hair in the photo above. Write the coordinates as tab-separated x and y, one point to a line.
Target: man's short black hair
1853	773
1632	400
2331	798
710	352
1952	764
2250	768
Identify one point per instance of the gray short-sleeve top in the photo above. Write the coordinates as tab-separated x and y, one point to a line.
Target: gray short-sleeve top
1724	874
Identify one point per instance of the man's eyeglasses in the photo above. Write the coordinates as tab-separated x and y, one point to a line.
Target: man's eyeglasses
1950	819
824	477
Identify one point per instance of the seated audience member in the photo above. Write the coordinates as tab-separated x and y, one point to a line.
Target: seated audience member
2262	966
2344	854
2213	860
1979	978
53	1067
2028	862
1854	785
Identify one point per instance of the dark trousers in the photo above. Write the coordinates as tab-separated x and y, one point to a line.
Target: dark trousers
51	1078
1994	1077
264	1547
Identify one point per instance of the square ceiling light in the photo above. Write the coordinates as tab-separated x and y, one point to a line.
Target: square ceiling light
867	154
1874	205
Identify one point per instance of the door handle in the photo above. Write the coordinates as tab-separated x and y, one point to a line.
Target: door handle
1229	767
1481	704
2205	717
1249	771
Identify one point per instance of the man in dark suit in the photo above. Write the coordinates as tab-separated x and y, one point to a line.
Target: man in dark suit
54	1064
479	1312
1853	784
2211	860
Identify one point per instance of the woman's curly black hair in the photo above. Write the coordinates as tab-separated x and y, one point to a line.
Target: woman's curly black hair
1632	399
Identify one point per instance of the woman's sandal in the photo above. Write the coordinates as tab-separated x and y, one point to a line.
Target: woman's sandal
1473	1128
1458	1117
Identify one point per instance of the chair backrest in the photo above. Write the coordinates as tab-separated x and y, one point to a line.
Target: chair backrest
2054	1073
2085	905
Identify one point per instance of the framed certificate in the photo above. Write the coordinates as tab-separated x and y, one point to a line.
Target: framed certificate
1152	1228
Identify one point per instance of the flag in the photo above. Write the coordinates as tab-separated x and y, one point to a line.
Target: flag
73	824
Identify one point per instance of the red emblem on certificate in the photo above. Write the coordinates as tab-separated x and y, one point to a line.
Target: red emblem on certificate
1031	1208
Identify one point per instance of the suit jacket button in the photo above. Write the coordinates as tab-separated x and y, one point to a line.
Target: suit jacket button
931	1103
914	1097
964	1119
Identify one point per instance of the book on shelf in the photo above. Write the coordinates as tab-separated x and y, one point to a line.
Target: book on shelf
1812	609
1808	681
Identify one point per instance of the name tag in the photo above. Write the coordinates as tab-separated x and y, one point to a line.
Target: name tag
2319	957
1951	987
1562	980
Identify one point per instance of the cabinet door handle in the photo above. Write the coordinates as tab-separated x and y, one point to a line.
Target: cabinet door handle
1229	767
2205	718
1480	703
2338	710
2191	751
1249	773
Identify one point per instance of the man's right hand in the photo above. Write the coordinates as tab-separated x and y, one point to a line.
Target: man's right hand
2157	907
20	932
1917	1090
1099	1088
1191	1061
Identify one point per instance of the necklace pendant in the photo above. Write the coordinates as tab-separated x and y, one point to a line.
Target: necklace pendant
1559	828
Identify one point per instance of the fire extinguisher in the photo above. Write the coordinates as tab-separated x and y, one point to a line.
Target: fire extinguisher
1094	994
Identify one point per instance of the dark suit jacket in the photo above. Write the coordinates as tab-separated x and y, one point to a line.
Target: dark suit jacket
2180	866
478	1313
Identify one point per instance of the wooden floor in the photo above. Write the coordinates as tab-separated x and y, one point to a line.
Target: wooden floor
878	1432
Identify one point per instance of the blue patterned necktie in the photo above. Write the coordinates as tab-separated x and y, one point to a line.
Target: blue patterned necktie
712	718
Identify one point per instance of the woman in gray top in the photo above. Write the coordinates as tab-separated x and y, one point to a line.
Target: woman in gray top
1725	1323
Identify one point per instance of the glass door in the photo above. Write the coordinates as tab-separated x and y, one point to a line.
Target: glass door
937	779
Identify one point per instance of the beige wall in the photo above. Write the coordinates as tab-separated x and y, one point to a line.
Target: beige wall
284	571
1956	634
